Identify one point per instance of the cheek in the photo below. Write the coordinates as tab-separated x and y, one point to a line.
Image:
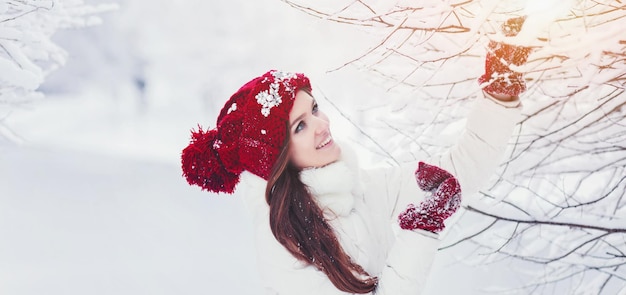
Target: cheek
301	150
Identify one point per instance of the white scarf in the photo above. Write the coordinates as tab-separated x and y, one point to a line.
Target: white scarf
331	187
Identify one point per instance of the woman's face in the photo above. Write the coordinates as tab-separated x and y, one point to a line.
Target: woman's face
311	144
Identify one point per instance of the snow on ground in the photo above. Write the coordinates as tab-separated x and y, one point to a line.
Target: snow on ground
74	222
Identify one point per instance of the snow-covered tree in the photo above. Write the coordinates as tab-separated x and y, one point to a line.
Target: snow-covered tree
27	53
558	204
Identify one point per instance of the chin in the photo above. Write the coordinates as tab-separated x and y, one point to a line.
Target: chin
324	159
336	154
328	161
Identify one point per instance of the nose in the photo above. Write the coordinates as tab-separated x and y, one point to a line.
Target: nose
321	125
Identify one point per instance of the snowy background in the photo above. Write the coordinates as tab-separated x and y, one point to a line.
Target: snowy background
92	200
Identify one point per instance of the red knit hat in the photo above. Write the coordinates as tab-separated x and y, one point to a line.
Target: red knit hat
249	135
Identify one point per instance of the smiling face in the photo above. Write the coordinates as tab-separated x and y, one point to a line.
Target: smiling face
311	144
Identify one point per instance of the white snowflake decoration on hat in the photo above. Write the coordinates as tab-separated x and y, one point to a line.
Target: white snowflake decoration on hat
271	97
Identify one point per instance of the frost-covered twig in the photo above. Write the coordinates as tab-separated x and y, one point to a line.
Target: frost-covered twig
27	53
563	180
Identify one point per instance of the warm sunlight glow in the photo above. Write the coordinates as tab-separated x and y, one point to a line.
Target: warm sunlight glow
551	9
541	14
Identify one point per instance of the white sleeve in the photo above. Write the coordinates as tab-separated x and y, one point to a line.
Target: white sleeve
472	160
408	263
480	149
411	254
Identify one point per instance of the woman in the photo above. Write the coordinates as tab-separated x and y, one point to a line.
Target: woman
324	226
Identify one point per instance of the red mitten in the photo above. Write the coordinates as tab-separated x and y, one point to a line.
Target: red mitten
442	200
500	79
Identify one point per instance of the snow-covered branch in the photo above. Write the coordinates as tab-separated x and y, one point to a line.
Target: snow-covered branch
560	196
27	53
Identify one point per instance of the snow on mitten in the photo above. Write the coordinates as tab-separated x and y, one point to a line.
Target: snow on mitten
500	79
429	177
442	200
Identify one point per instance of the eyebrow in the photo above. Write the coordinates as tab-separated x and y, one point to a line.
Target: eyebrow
302	115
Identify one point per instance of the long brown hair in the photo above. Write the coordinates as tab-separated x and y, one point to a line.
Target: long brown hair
298	223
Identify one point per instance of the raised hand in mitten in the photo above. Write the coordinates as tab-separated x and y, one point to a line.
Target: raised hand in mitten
499	78
442	200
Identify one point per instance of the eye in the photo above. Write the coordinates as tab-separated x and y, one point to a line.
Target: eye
299	127
315	108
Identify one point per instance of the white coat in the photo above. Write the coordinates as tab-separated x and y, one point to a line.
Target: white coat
362	207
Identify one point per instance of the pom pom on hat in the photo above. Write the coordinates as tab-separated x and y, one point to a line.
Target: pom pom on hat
202	165
250	133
